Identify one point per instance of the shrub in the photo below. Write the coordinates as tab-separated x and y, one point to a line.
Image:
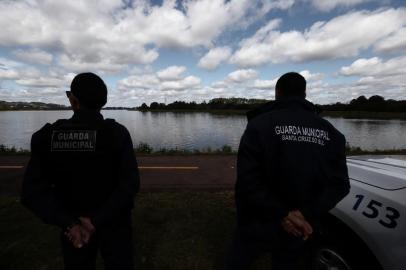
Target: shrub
144	148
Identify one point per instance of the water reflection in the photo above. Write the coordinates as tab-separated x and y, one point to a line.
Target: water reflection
197	130
373	134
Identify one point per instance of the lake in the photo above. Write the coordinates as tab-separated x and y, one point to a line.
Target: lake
197	130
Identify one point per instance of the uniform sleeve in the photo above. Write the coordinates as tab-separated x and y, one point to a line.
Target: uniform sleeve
38	192
336	187
128	185
250	185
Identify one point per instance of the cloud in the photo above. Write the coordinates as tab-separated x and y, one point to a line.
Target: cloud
50	81
171	73
147	87
142	81
36	56
45	94
6	63
8	74
312	79
264	84
396	42
393	87
311	76
279	4
168	79
213	58
329	5
8	69
390	82
261	8
32	84
76	64
109	35
379	77
375	66
241	75
322	41
126	37
189	82
376	76
13	70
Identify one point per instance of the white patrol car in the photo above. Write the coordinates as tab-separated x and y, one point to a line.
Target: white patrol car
367	229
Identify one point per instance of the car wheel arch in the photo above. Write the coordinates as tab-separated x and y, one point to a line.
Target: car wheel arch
336	233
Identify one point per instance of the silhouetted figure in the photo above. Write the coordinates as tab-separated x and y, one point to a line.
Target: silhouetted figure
82	177
291	169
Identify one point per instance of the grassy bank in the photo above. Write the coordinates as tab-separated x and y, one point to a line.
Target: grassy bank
11	150
146	149
181	230
143	149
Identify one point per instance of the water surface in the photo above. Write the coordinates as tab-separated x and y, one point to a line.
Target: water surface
196	130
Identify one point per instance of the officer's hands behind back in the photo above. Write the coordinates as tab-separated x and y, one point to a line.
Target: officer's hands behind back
80	234
296	224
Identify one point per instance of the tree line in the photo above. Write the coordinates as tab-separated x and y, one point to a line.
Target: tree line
41	106
19	106
214	104
361	104
372	104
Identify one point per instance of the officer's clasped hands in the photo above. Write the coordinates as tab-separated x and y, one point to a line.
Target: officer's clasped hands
79	234
296	224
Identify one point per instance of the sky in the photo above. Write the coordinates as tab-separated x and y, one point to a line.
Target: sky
195	50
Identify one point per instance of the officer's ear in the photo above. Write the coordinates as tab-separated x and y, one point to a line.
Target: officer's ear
277	93
74	102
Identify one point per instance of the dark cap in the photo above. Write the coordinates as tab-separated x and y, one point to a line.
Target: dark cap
90	90
291	84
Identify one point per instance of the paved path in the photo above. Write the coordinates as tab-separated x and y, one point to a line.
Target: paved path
205	172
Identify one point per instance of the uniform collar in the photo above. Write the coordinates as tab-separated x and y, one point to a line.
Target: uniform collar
86	116
294	102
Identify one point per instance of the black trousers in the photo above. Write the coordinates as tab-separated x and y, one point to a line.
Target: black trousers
114	242
287	251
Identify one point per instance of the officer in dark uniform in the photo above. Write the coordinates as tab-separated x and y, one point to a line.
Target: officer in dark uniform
82	177
291	170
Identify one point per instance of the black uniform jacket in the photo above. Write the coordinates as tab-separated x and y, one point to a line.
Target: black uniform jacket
289	158
83	166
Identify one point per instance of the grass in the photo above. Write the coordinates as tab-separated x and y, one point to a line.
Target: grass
142	148
6	150
145	149
173	230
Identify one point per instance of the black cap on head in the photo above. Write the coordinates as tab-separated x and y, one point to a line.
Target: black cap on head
90	90
291	84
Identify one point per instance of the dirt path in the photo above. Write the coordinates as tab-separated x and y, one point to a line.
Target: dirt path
206	172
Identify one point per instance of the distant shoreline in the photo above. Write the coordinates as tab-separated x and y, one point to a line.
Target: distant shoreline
374	107
60	109
333	114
